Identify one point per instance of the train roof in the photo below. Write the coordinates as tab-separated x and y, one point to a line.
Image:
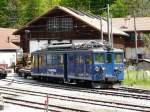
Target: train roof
70	50
91	46
79	50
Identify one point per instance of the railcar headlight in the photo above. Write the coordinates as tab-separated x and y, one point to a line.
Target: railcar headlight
103	68
120	68
97	69
116	68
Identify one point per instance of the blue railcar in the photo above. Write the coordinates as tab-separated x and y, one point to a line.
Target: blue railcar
98	66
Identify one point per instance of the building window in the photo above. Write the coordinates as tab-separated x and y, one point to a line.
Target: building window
60	24
66	24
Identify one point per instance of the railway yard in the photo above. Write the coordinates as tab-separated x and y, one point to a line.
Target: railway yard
75	56
20	94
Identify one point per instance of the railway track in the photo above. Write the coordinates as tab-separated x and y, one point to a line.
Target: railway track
133	90
121	91
12	98
73	99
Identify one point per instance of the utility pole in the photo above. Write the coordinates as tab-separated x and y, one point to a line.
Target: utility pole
89	6
135	31
101	24
112	41
108	30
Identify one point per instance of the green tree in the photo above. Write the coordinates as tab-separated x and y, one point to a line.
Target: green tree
93	6
141	7
15	13
119	8
8	13
3	16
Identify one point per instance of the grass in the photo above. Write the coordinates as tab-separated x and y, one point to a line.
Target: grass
137	78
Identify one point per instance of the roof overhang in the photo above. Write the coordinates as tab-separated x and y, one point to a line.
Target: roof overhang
94	22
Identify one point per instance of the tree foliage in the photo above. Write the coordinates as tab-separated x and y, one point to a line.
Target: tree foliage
119	8
92	6
15	13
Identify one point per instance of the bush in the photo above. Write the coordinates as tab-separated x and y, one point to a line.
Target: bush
137	78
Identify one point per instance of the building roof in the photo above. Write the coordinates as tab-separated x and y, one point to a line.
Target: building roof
90	19
6	39
127	24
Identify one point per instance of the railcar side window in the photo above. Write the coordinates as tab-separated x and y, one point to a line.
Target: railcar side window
45	60
81	60
109	58
49	59
78	59
118	58
99	58
71	59
88	59
61	60
55	60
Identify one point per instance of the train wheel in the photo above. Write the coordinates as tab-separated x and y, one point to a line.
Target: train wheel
0	75
39	78
109	86
25	76
96	85
4	76
34	77
21	74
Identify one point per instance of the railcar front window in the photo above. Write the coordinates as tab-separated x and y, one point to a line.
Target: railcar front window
118	58
33	61
109	58
99	58
36	61
41	59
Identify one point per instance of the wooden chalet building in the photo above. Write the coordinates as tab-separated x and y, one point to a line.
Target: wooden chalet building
61	23
142	25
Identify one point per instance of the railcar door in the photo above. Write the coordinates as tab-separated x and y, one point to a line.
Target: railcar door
76	66
88	66
65	68
99	59
79	65
109	64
